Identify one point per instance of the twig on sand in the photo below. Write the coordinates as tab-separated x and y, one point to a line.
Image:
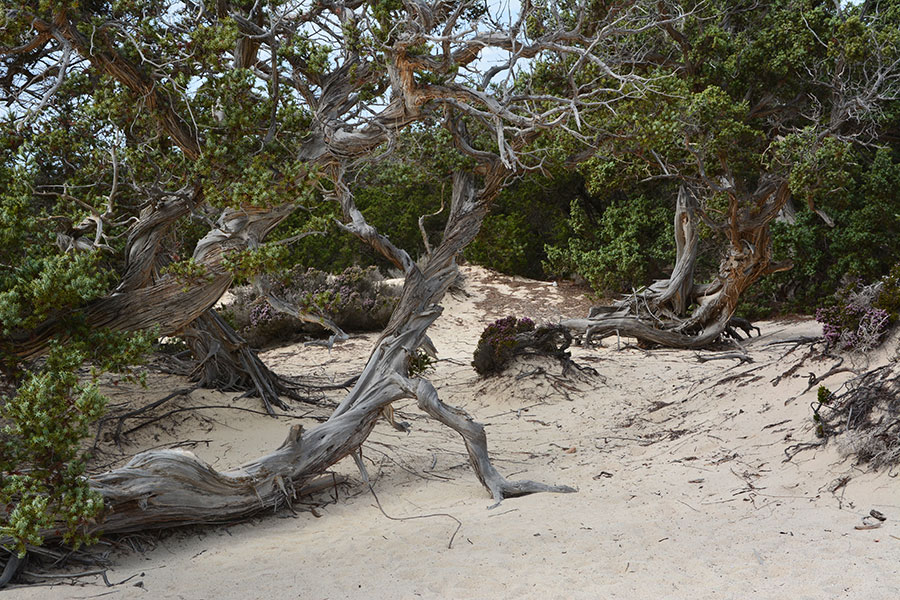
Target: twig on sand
744	358
791	451
358	457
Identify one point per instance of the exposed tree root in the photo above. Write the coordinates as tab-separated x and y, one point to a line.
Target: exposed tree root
228	364
866	413
117	435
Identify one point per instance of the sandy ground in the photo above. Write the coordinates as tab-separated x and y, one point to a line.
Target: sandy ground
683	486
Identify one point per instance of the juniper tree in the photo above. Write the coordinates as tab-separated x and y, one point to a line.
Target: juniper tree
232	115
768	104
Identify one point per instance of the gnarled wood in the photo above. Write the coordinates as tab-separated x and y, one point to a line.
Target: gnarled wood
165	488
227	363
656	313
170	303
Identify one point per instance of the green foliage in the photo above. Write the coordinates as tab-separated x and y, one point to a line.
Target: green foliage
621	249
189	272
861	246
42	463
420	363
527	215
824	396
52	177
244	264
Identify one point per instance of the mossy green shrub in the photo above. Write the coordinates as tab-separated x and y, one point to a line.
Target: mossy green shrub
48	404
357	299
498	343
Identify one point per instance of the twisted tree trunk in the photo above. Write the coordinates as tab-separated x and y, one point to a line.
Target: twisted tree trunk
168	303
224	360
167	488
658	313
678	290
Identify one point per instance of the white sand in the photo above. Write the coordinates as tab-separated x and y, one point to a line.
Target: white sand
683	491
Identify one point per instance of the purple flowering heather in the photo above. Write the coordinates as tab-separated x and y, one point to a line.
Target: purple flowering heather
851	326
261	313
497	343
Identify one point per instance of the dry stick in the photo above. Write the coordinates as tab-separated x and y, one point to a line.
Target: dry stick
357	457
334	386
797	341
725	356
428	516
401	465
724	380
101	572
138	411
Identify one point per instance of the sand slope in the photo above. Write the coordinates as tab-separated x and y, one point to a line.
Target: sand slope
683	491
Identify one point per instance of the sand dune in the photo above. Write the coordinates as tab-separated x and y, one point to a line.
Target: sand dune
683	487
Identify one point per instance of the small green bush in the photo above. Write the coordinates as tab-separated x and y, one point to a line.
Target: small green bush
42	426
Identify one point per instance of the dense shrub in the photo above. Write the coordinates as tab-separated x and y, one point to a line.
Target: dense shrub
527	216
42	426
861	246
625	246
356	299
497	344
502	340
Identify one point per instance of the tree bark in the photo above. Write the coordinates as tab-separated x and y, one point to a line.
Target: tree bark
679	288
227	363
